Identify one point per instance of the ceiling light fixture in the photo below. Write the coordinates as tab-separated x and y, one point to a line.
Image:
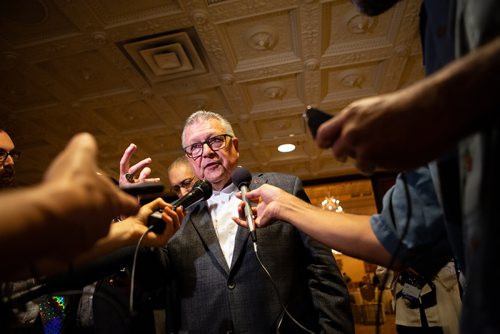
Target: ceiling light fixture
330	203
285	148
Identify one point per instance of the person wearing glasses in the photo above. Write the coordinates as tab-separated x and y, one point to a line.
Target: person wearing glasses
63	220
8	157
181	176
69	214
72	201
213	273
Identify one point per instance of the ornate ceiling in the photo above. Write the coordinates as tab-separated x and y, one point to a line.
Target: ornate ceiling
132	71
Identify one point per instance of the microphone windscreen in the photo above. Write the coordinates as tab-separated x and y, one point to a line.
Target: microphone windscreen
201	190
241	177
206	188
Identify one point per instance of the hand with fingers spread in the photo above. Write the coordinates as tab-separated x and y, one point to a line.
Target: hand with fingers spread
128	173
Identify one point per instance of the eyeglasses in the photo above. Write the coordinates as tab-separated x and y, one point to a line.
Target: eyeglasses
215	143
186	184
14	154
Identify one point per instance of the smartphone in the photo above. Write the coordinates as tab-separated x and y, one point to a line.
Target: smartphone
143	188
314	118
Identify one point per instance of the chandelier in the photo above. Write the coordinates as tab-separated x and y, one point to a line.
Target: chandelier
330	203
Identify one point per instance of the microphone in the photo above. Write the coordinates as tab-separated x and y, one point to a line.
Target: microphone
202	190
241	178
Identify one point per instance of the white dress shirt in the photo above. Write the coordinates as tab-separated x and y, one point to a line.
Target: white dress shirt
223	205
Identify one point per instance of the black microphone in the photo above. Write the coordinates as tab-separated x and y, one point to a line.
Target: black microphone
241	178
202	190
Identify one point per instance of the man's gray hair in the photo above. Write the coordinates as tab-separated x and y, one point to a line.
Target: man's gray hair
203	115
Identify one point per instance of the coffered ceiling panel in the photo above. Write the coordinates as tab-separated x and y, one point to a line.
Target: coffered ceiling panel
18	92
159	142
272	94
119	12
133	71
260	41
130	117
84	74
346	82
165	57
29	21
348	30
282	128
208	99
248	159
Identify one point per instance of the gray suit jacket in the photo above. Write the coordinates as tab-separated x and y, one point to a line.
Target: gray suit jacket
209	297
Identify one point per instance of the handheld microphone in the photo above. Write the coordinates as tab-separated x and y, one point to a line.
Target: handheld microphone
241	178
202	190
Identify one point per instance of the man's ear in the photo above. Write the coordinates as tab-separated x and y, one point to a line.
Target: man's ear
235	143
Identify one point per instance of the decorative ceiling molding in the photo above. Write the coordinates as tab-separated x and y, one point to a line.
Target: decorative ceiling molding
133	71
166	57
262	37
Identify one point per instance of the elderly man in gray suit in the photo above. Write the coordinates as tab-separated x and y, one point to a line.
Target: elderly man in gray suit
216	282
221	287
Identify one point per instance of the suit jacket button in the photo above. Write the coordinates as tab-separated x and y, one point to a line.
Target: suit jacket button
231	285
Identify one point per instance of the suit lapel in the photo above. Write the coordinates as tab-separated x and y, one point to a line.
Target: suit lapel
243	234
202	222
239	243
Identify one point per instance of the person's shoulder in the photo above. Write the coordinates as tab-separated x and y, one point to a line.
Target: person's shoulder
274	176
284	181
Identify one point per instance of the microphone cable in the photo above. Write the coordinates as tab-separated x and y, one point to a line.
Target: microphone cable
275	287
134	263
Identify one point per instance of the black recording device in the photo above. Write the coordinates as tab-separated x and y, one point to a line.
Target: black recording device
143	188
202	190
314	118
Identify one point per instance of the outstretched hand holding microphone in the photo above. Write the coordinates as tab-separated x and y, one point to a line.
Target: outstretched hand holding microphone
202	190
272	204
241	178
